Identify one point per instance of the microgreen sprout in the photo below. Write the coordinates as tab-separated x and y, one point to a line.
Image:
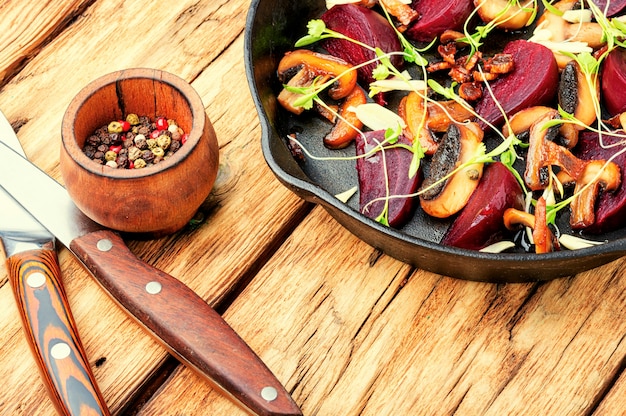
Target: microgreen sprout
411	53
550	8
318	31
389	78
481	32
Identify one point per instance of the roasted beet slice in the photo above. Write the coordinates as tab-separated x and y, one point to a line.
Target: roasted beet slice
614	81
610	207
436	16
480	223
615	6
533	82
371	172
366	26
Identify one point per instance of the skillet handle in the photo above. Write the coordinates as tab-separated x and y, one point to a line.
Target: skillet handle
52	334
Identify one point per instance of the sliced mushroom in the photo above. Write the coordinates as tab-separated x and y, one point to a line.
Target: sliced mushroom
301	67
411	109
543	153
401	11
521	122
443	113
327	111
576	96
553	30
514	217
543	238
348	124
507	15
597	175
441	197
450	35
288	98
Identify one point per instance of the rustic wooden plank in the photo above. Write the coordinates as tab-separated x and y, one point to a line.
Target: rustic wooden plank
613	402
291	309
27	25
183	39
349	338
573	337
250	214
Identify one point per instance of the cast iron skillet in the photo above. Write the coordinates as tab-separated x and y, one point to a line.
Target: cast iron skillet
272	28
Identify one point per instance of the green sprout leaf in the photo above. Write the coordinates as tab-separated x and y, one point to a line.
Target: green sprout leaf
307	95
316	28
392	134
381	72
441	90
549	7
418	155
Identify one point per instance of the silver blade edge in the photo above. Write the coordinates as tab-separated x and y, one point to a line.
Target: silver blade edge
43	197
19	231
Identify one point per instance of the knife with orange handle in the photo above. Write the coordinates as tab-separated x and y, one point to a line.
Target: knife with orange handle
173	313
50	329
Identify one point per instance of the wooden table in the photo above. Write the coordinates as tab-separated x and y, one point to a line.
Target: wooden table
347	330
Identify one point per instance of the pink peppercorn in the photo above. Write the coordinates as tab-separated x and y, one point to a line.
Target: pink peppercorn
184	138
116	149
161	123
125	125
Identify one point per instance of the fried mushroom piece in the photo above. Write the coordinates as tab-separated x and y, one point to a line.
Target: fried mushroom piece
576	96
520	123
589	176
506	14
597	175
442	197
300	68
543	153
348	125
544	240
559	34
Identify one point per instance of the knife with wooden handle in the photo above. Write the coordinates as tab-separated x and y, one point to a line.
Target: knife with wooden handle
182	321
51	332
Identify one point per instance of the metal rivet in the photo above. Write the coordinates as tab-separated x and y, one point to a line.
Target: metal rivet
60	351
36	280
104	244
269	393
153	288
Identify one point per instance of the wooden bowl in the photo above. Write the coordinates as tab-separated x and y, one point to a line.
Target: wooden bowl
158	199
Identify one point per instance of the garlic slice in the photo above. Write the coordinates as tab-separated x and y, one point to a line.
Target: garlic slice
377	117
576	243
346	195
498	247
577	15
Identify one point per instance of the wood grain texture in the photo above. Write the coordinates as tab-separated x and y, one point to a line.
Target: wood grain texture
210	259
351	336
27	25
48	325
346	330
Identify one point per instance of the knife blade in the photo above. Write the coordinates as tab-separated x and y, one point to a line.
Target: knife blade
49	326
174	314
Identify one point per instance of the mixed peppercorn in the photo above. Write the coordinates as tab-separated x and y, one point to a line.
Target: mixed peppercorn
135	142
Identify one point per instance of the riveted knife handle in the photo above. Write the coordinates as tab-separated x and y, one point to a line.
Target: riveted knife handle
52	335
184	324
